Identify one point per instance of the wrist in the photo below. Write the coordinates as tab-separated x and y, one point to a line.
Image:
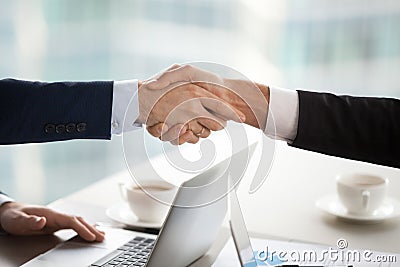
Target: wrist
264	90
253	102
7	205
262	105
141	97
3	208
149	104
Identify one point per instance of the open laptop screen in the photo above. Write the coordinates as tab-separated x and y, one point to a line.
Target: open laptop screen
239	233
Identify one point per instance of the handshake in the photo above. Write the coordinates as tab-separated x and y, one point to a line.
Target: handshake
185	103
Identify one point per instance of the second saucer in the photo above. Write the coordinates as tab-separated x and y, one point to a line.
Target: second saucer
331	204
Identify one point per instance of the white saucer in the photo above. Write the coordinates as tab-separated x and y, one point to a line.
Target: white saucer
332	205
123	214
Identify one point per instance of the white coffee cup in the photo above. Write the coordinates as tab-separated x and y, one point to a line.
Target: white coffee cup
149	200
361	194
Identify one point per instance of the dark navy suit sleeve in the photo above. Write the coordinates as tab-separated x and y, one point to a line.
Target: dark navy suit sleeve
359	128
33	112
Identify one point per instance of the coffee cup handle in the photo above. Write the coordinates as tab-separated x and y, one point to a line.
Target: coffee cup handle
122	190
365	198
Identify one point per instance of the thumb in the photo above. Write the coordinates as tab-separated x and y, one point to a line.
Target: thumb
219	101
164	79
34	222
223	109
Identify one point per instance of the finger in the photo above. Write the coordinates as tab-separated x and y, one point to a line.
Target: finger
174	142
174	132
99	234
155	83
154	130
37	223
158	129
174	66
195	127
24	224
224	95
187	137
75	224
185	73
222	109
204	133
212	123
215	89
193	138
180	74
198	129
28	224
157	75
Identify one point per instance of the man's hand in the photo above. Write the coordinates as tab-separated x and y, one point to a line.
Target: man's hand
183	104
250	98
19	219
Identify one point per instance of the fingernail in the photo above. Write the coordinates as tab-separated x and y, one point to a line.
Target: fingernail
37	219
242	117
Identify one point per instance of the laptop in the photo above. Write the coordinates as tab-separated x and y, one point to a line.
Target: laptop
189	230
244	249
239	233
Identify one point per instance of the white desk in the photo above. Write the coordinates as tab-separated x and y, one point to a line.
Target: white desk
282	207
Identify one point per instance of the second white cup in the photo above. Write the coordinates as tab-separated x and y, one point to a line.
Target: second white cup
361	194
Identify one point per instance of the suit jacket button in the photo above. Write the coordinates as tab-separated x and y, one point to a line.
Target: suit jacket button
81	127
70	127
60	128
49	128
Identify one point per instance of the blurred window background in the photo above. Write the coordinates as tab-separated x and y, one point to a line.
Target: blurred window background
346	47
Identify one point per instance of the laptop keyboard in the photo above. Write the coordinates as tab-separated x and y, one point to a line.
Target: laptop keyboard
133	253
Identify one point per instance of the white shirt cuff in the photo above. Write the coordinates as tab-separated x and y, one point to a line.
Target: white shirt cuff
5	199
283	114
125	101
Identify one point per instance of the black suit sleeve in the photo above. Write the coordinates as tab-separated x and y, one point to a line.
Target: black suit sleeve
42	112
359	128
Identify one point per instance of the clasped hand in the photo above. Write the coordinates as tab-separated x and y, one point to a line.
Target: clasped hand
185	103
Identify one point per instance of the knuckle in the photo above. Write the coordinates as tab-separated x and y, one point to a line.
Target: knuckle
187	67
72	219
75	219
192	88
194	95
219	126
174	66
151	131
174	142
